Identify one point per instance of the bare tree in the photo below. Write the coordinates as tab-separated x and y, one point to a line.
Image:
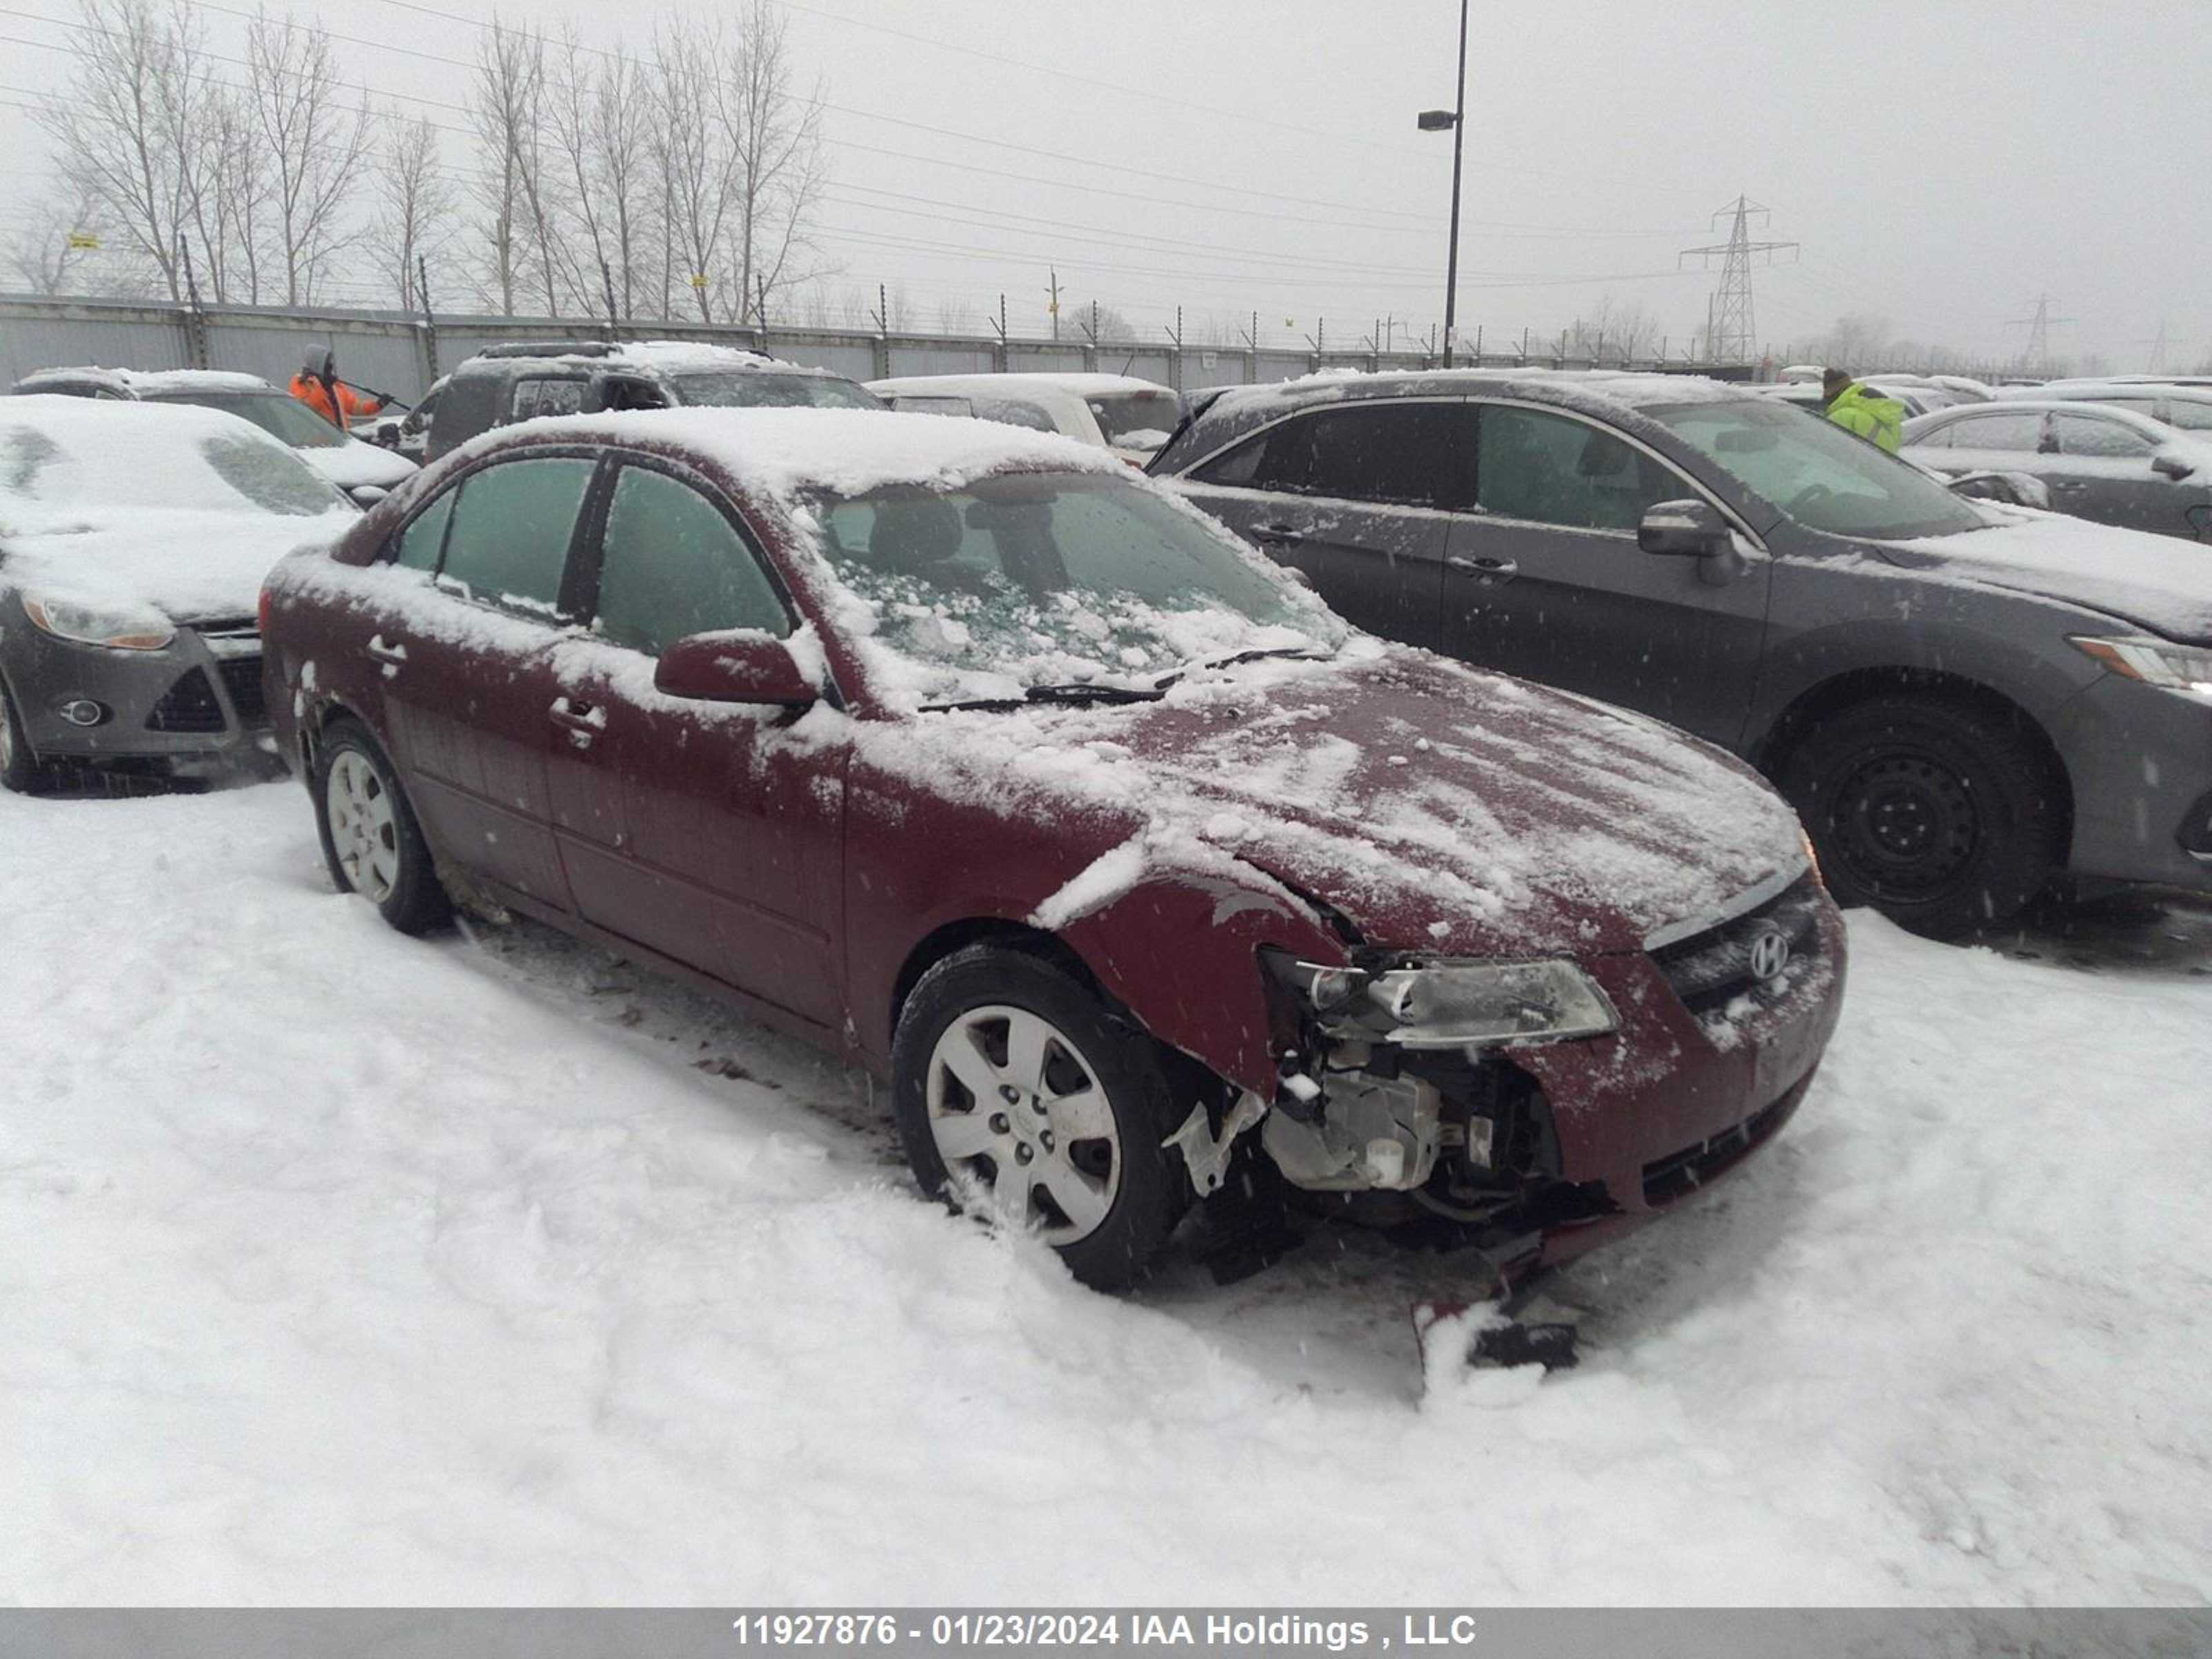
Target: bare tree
503	112
414	203
54	252
127	119
955	316
699	186
313	143
602	129
1625	329
774	136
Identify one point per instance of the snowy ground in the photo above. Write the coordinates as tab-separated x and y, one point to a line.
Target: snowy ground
335	1266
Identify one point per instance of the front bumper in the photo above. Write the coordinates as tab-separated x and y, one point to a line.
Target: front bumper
194	706
1681	1095
2141	761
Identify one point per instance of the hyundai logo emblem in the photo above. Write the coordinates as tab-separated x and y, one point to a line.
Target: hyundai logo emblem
1770	953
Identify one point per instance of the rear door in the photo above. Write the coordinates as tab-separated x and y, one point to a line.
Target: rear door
1991	439
1358	496
467	672
704	831
1543	577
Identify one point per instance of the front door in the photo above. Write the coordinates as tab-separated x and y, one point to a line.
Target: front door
707	832
1359	497
467	671
2103	472
1543	577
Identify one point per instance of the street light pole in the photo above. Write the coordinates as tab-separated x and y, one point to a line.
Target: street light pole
1455	119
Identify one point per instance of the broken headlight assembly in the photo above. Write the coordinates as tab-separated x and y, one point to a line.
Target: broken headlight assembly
1445	1003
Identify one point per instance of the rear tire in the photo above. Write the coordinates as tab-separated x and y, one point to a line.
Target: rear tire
1944	819
371	839
1006	1070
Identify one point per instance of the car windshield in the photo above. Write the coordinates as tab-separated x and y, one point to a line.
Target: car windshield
753	388
43	474
1074	581
280	415
1824	477
1137	420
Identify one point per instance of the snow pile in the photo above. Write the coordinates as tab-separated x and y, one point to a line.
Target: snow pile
341	1268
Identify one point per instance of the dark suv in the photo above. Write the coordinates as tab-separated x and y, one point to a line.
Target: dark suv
1962	700
508	383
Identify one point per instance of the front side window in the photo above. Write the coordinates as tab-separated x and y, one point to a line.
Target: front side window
671	565
1022	580
1550	469
509	540
1402	454
1822	477
2085	434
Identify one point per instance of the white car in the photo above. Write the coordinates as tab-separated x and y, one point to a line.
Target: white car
1131	416
366	472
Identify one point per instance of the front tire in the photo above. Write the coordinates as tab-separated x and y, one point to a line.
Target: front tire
371	839
1012	1083
19	769
1943	817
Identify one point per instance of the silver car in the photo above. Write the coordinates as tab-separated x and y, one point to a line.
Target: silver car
134	537
2098	462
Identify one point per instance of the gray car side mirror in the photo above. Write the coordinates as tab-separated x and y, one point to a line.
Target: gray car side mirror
1685	529
2172	466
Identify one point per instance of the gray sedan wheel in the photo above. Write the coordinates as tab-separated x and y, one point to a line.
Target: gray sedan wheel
19	769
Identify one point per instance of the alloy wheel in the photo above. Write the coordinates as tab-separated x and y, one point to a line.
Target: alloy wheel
1015	1109
363	833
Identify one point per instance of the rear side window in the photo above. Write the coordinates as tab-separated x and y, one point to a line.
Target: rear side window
547	397
1549	469
424	538
2189	417
2085	434
509	538
671	565
1401	454
2022	433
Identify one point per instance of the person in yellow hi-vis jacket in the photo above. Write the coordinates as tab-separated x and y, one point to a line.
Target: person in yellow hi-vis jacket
1857	410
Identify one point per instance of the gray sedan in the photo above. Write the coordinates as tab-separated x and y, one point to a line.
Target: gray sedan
2109	465
134	537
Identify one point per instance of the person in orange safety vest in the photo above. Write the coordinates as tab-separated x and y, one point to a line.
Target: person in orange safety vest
317	385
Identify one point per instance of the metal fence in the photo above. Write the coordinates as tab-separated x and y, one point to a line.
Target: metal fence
403	356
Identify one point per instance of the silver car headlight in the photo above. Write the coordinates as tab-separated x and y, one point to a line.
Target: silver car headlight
1448	1004
118	628
2155	662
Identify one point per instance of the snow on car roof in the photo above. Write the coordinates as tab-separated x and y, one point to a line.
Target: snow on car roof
1631	388
792	452
151	382
1087	385
660	356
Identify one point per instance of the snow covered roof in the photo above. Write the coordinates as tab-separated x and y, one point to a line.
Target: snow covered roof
1632	389
149	383
792	452
655	356
1087	386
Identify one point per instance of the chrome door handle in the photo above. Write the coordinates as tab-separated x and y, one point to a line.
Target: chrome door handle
1489	570
579	721
1276	532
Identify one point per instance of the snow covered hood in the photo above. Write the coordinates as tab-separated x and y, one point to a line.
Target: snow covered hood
2157	582
117	503
1437	807
354	462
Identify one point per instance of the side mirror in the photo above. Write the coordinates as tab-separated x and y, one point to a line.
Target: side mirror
1684	529
2172	466
2015	489
739	666
368	494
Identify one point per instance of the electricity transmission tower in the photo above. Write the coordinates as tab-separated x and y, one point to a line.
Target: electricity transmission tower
1729	335
2157	348
2036	360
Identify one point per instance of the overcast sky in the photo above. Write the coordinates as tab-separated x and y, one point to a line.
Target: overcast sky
1941	163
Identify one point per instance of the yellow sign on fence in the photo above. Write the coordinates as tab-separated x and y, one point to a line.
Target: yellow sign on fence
83	240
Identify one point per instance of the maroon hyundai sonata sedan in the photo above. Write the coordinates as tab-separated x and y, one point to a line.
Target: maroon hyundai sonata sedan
987	763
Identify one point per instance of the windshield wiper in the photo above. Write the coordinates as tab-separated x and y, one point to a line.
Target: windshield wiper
1070	692
1306	652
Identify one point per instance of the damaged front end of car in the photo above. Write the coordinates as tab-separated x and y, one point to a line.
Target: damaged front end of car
1398	1098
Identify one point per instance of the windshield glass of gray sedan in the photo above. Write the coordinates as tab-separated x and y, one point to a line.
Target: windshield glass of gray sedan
1821	476
750	389
1037	578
